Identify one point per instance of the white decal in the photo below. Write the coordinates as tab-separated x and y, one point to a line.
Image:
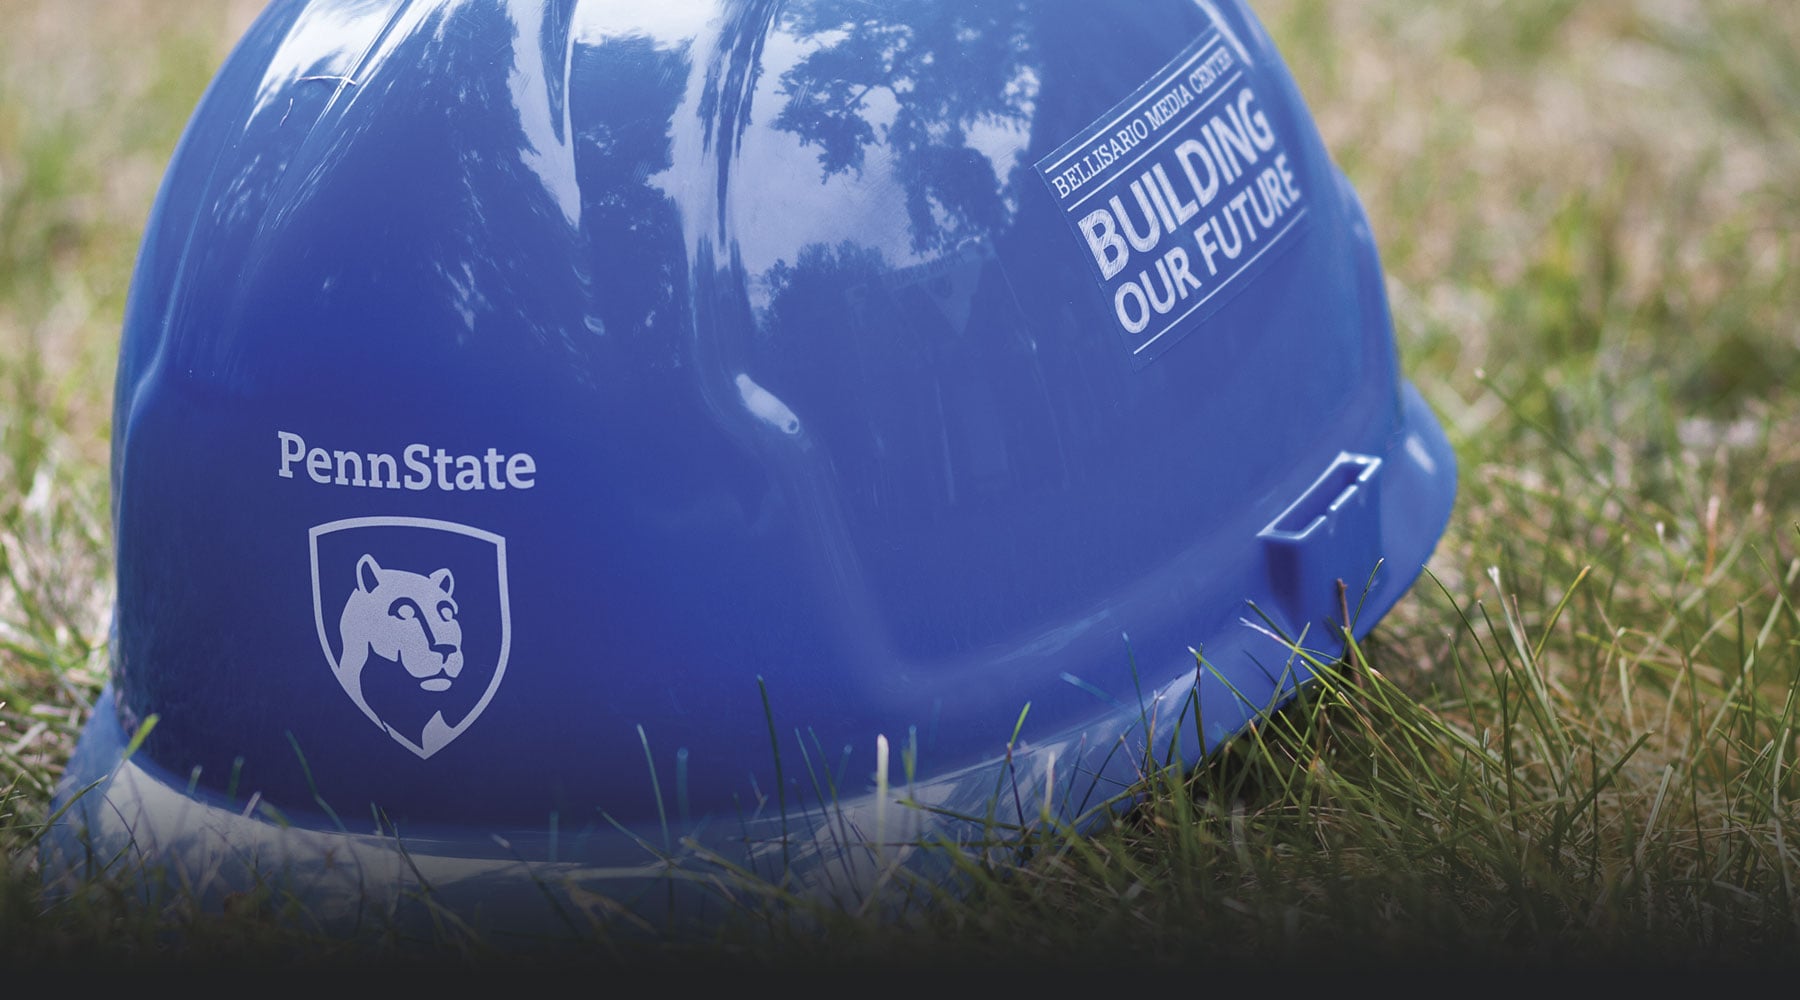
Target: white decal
416	467
1177	192
413	618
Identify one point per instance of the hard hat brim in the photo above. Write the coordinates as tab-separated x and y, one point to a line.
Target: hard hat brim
122	817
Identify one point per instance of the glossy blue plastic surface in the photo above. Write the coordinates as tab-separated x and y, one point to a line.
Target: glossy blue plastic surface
766	383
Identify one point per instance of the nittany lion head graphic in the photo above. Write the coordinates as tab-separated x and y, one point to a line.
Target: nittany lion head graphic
413	617
404	617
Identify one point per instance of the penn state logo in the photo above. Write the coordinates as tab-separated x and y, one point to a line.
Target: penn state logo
412	615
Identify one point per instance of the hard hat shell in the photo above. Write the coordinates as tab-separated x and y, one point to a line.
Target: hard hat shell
596	435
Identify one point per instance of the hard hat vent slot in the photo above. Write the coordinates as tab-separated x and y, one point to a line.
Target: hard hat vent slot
1331	532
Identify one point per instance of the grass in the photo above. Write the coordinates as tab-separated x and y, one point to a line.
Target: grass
1573	743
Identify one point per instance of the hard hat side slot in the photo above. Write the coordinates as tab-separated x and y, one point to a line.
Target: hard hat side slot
1330	532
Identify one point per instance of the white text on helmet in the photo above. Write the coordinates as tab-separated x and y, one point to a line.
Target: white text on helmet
425	467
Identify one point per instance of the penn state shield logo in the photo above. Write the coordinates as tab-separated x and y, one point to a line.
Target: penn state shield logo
413	618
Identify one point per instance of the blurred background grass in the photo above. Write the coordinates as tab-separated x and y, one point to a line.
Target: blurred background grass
1588	215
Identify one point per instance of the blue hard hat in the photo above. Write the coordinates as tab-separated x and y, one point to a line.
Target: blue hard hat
578	444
